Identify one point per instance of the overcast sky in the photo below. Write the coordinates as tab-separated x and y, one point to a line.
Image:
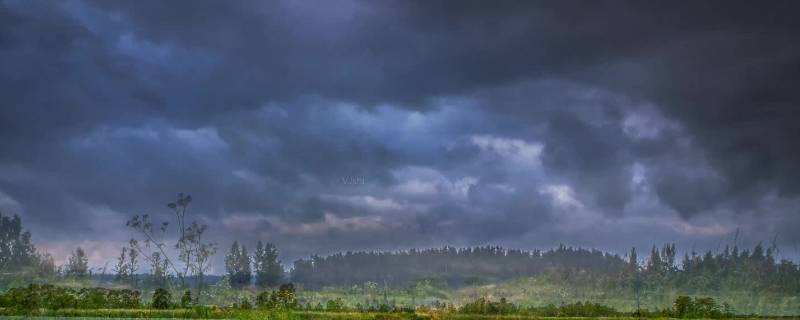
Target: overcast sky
325	126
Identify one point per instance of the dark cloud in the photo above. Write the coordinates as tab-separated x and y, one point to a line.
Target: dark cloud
340	127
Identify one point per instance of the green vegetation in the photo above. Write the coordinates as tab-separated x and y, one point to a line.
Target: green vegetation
283	298
684	307
435	283
503	307
208	313
268	269
162	299
36	300
35	297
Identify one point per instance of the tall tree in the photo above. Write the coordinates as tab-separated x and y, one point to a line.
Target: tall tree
16	250
237	263
127	265
158	270
46	266
634	277
269	272
78	264
132	265
232	264
197	253
121	268
633	260
246	273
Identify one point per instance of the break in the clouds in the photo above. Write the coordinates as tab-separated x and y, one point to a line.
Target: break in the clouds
393	124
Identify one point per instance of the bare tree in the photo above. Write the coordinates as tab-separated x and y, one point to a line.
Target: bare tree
153	242
158	269
193	252
179	207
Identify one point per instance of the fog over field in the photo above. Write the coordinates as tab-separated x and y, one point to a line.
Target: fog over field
325	126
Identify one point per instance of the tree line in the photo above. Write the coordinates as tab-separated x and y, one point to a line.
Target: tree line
263	267
18	255
753	269
756	269
449	265
733	268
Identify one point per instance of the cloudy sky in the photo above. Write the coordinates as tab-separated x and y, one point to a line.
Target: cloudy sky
325	126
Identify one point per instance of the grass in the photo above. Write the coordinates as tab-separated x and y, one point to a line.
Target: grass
122	313
538	292
321	315
292	315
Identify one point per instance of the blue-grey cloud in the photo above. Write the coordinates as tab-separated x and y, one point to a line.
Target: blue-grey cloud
380	125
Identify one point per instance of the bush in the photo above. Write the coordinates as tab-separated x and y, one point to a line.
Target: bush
23	300
586	309
54	298
686	307
283	298
123	299
162	299
92	298
286	296
335	305
485	306
503	307
245	305
186	299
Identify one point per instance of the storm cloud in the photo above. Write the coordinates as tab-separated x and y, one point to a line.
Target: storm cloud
383	125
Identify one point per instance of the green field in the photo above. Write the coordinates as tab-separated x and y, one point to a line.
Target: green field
539	292
309	315
428	300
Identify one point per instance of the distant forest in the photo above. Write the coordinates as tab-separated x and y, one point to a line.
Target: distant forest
448	265
732	268
755	270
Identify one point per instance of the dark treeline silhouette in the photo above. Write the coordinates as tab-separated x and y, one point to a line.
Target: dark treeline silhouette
756	270
18	255
454	266
733	268
262	268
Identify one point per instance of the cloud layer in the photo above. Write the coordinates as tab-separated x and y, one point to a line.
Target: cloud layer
383	125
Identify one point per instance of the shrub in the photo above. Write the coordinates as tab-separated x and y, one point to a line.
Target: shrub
24	300
92	298
161	299
245	305
503	307
263	300
485	306
186	299
335	305
286	296
54	298
686	307
283	298
123	299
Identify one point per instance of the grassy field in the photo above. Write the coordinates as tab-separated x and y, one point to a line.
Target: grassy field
313	315
525	292
539	292
122	313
